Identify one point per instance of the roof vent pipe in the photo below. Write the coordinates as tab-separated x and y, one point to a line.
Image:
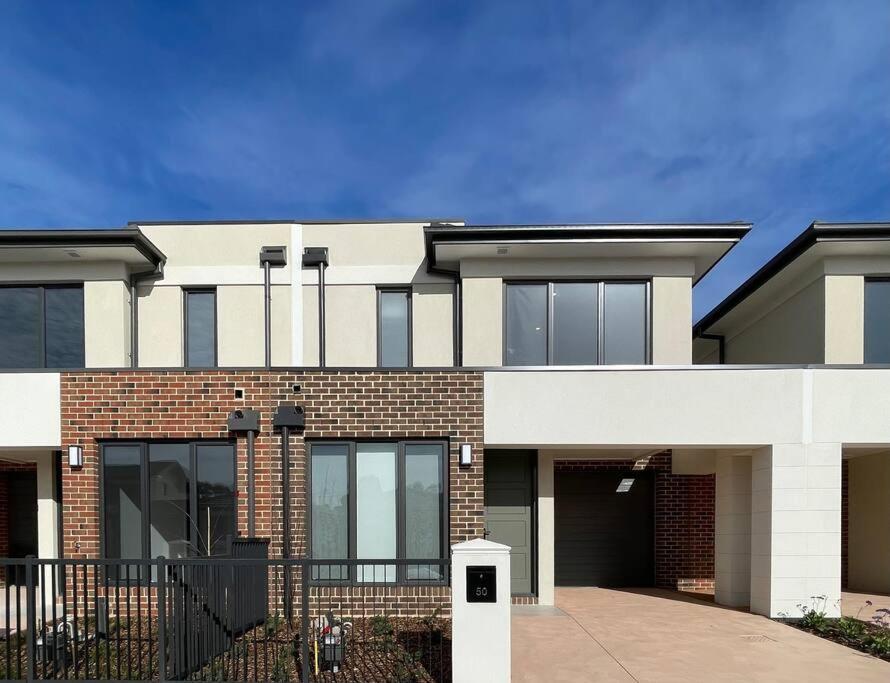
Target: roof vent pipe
318	256
270	257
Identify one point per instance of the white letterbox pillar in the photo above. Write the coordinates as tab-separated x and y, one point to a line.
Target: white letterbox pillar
480	612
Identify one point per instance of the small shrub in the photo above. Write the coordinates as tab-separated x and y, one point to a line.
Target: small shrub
877	643
849	628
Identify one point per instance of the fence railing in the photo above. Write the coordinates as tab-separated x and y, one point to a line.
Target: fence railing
232	618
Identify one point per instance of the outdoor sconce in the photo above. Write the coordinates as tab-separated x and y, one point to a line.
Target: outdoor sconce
466	455
75	456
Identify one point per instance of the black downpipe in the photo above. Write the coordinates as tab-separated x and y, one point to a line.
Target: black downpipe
251	490
268	309
287	417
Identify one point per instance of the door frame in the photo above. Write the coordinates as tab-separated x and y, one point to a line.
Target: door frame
532	455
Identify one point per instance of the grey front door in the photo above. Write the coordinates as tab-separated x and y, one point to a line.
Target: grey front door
509	506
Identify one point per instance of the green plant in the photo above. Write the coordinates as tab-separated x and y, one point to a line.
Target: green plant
850	628
877	643
814	615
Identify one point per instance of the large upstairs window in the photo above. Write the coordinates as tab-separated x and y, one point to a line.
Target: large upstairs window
41	326
877	321
576	323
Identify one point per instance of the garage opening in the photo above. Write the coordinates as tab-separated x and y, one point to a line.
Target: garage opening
604	531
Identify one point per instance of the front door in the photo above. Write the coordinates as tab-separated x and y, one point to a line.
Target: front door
509	511
22	520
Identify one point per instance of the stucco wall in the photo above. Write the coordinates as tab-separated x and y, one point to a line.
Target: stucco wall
106	320
868	553
844	318
791	332
483	321
30	416
160	326
432	325
672	320
351	326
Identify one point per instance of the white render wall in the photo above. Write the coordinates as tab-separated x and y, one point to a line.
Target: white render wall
796	529
732	527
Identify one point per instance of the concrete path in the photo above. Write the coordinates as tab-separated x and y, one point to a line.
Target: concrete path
595	634
855	604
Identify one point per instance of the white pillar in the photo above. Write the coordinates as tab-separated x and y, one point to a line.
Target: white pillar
480	631
732	526
546	526
796	528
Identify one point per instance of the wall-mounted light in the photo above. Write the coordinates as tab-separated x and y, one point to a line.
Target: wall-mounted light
75	456
466	455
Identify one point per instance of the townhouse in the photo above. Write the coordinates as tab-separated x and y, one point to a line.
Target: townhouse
418	383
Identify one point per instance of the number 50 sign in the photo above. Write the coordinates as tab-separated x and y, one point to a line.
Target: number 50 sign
482	584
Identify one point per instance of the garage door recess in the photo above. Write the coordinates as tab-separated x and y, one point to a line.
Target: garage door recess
604	528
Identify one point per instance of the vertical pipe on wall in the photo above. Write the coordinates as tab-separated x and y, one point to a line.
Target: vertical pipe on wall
251	491
285	492
268	311
321	343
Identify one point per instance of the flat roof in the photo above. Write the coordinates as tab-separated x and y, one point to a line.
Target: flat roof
818	232
123	242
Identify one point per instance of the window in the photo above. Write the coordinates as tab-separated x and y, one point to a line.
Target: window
175	499
877	321
576	323
393	328
41	327
200	328
378	501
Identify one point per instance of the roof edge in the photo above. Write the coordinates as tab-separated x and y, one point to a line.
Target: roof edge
817	231
85	237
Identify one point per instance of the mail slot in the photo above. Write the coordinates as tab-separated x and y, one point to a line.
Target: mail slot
482	583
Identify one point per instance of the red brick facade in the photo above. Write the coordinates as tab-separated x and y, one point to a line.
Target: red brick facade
684	522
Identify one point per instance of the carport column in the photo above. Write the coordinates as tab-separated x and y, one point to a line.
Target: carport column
796	528
546	529
732	542
480	616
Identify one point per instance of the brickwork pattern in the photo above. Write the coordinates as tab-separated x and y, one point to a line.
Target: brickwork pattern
684	521
180	404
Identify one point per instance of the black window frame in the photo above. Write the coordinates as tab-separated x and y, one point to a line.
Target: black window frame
600	313
401	502
145	492
41	288
402	289
866	281
185	325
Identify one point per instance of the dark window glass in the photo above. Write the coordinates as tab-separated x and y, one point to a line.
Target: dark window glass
170	472
20	326
575	325
526	324
216	498
424	492
394	333
64	327
330	507
190	509
41	327
624	320
394	507
122	497
200	332
877	321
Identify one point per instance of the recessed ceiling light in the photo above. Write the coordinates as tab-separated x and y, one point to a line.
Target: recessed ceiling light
72	253
503	251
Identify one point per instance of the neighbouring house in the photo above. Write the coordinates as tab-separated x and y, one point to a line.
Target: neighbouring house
539	385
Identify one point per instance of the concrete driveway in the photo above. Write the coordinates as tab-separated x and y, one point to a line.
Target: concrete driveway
596	634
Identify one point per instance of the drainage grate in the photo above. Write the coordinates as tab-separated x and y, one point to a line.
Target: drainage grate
758	638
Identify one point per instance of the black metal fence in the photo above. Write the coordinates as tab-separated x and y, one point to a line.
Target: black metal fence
236	618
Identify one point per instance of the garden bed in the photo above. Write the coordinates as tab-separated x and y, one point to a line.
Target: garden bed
871	637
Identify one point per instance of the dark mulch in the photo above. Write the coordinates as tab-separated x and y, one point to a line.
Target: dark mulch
862	643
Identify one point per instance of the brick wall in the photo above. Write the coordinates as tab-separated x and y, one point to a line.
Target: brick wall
684	521
183	404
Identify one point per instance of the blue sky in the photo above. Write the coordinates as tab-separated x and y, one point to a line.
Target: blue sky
772	112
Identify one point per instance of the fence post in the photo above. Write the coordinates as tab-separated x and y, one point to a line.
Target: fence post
31	601
304	620
480	612
162	618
